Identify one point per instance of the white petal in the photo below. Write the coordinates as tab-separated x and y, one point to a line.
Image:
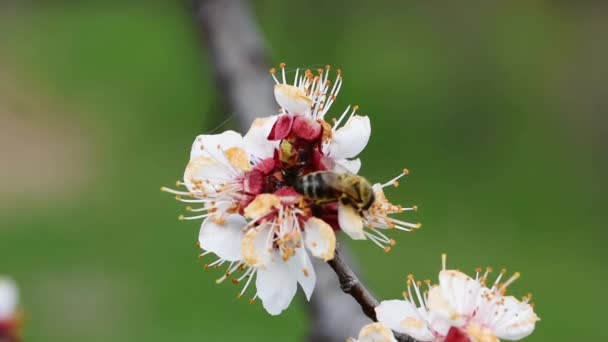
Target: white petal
292	99
303	270
461	293
207	144
376	332
276	286
402	316
518	321
256	248
438	323
319	238
256	140
9	298
441	309
207	172
350	165
223	239
350	222
349	140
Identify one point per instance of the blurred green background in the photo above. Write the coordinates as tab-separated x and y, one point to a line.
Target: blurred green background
498	109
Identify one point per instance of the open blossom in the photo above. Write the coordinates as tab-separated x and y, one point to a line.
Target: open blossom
374	332
243	188
9	315
460	308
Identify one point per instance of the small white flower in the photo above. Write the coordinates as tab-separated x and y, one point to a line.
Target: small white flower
460	305
312	95
374	332
275	247
9	298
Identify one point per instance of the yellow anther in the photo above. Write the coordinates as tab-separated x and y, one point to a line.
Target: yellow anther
181	217
282	65
273	70
387	249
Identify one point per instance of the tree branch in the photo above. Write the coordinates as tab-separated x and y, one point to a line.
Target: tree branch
350	284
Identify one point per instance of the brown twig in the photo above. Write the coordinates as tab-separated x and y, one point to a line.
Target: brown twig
350	284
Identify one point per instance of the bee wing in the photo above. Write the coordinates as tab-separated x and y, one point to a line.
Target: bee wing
346	167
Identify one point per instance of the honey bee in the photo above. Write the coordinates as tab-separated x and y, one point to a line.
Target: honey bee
327	186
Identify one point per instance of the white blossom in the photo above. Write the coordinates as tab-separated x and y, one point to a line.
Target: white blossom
460	305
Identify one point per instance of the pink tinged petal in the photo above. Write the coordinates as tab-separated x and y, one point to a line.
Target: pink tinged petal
350	222
253	182
281	127
256	248
348	141
9	298
288	195
460	291
376	332
224	239
518	321
349	165
207	144
319	238
276	285
266	165
303	271
306	128
321	162
402	316
207	172
256	140
292	99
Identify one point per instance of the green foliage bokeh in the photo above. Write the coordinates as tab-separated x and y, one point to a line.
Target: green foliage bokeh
481	104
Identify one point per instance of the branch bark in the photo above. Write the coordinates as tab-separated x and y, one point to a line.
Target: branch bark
350	284
238	58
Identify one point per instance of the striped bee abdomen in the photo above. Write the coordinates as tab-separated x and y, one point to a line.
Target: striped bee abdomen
320	185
